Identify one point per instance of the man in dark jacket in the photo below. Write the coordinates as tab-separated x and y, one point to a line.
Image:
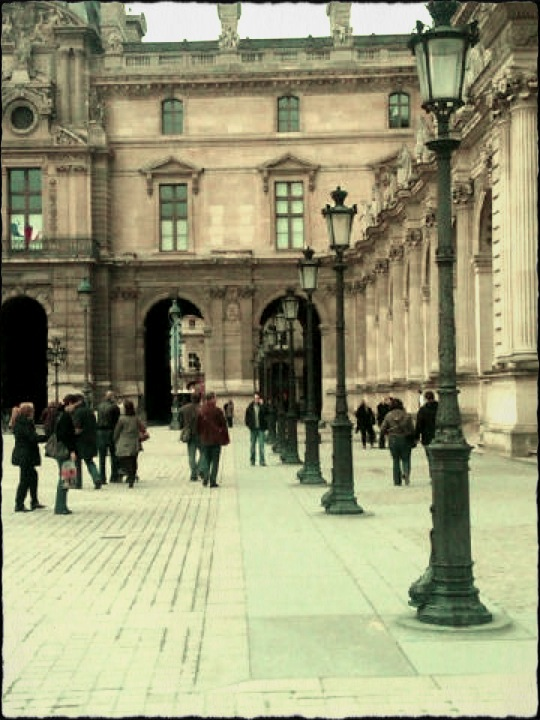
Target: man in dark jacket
213	433
425	422
108	413
256	419
188	419
365	419
382	409
85	425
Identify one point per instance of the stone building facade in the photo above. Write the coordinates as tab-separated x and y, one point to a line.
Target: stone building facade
196	171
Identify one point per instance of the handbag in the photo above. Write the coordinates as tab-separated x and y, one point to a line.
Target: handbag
143	432
185	434
68	474
55	448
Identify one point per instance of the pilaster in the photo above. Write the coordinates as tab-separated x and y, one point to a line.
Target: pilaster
382	334
462	194
414	330
397	371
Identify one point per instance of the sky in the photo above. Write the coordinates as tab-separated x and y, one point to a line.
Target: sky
177	21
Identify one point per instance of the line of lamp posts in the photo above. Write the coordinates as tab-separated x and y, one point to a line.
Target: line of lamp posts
57	353
445	594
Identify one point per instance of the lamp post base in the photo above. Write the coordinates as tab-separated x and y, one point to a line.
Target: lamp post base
454	608
290	457
340	499
310	475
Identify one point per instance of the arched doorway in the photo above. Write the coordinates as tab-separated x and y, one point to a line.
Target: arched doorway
279	364
23	353
157	357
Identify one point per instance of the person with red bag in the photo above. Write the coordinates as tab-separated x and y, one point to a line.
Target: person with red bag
213	434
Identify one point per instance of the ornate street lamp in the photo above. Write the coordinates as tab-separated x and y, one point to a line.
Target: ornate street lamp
175	316
445	594
281	327
290	453
56	356
84	291
269	341
310	474
340	499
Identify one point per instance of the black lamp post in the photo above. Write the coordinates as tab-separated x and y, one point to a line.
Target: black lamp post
84	291
174	321
269	341
290	453
340	499
281	326
310	474
445	594
56	356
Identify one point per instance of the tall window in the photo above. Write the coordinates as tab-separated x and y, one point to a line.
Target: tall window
289	215
25	209
398	110
288	114
173	217
172	117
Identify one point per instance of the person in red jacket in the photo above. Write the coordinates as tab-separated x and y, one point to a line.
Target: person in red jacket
213	434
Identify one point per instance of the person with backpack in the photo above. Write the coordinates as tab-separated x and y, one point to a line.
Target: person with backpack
399	427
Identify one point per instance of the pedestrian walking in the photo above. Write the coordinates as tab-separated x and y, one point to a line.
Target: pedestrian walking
399	427
228	409
85	425
65	433
108	413
26	456
188	423
256	419
383	408
127	443
365	420
425	423
213	435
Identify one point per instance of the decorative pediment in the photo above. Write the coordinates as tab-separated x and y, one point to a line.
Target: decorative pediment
171	169
40	97
288	165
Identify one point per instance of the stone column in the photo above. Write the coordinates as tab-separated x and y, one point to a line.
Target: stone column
371	329
398	313
64	86
415	327
361	334
215	343
523	228
464	279
78	98
383	339
484	313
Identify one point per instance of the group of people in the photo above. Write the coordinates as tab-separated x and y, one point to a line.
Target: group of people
116	431
396	424
208	432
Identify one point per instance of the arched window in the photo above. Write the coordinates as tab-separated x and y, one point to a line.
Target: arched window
172	117
398	110
288	114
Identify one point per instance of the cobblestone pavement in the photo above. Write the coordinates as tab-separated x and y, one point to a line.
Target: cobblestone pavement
248	600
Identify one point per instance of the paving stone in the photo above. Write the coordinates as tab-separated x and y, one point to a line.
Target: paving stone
251	601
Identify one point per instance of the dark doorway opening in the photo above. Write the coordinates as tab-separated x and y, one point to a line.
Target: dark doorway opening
277	358
23	354
157	363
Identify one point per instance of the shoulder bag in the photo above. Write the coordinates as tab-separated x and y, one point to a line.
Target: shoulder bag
55	448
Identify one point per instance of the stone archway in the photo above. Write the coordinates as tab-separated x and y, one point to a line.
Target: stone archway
23	353
157	357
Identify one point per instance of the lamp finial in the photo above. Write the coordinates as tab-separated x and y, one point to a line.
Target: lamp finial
442	11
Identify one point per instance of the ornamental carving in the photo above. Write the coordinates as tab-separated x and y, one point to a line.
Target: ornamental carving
39	96
396	253
217	292
63	136
381	266
462	192
53	206
414	238
508	88
247	292
229	14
